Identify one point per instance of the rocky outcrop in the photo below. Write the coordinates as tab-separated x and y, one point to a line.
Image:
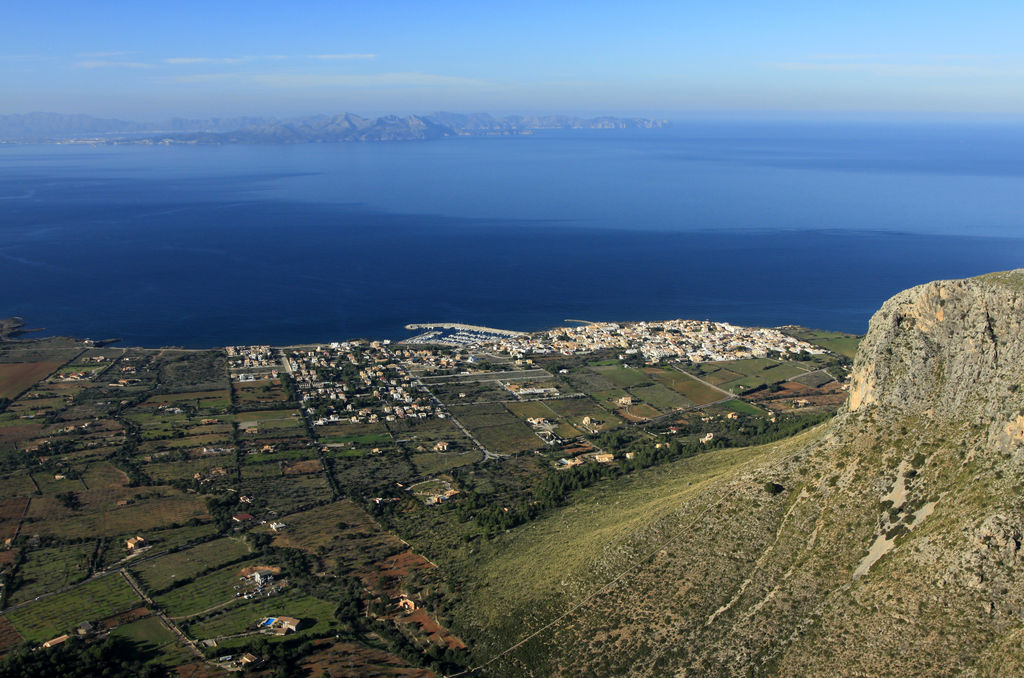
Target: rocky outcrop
951	347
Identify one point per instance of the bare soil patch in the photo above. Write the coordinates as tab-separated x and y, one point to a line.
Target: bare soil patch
18	377
298	467
352	660
9	637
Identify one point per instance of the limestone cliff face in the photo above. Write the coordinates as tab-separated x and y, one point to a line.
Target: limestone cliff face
951	347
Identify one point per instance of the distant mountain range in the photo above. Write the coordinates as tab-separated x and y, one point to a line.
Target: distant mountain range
55	127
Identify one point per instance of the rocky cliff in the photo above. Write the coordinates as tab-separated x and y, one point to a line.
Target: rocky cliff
894	549
952	347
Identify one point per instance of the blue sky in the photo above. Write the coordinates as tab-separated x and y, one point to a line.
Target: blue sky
148	60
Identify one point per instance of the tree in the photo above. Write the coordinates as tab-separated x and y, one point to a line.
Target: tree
69	500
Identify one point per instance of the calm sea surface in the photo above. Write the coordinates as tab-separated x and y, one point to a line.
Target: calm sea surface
757	224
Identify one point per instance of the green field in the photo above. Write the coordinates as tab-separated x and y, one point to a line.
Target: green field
51	569
286	495
162	572
684	384
367	439
104	474
492	414
752	373
95	600
572	411
661	397
165	471
473	392
537	409
17	485
837	342
813	379
161	540
206	591
351	430
317	616
154	640
508	438
621	376
270	469
743	407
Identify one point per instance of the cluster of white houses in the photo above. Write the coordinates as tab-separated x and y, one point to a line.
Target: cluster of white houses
692	340
357	382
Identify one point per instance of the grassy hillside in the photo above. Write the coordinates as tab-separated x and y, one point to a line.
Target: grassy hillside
751	559
555	573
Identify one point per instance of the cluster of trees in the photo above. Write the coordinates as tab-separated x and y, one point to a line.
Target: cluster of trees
68	500
124	456
222	508
112	658
492	517
288	384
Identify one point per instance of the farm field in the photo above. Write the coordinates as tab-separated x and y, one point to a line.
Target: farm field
508	438
360	659
11	511
309	530
693	390
165	571
44	619
813	379
50	518
470	392
620	376
51	569
266	391
17	484
661	397
155	640
573	410
741	406
100	475
330	436
429	463
752	373
317	617
9	637
204	592
347	539
285	497
638	412
18	377
159	540
837	342
536	409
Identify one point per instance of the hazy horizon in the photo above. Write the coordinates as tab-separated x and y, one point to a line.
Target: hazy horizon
666	60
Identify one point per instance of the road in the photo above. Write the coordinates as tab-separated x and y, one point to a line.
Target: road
487	453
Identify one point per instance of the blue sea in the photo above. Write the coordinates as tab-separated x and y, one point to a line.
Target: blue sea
764	224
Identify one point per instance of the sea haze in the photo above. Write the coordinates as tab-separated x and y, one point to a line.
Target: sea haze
758	224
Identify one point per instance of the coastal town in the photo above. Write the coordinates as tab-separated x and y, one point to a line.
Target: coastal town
220	500
690	340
